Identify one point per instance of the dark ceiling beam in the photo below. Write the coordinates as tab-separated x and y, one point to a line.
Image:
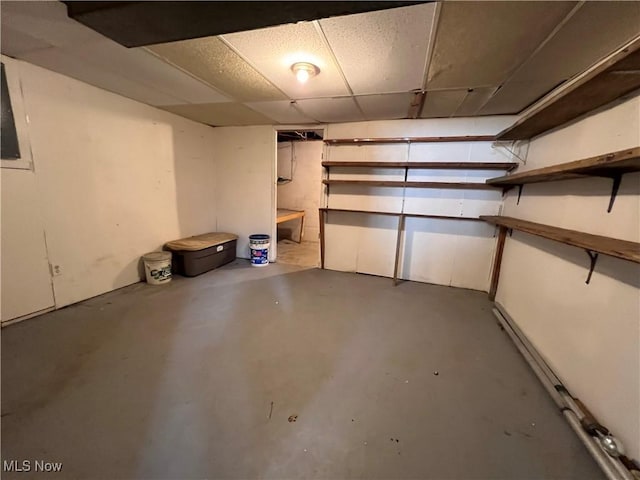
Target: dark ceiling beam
417	104
136	24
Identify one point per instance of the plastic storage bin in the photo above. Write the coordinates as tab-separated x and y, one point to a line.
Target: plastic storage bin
196	255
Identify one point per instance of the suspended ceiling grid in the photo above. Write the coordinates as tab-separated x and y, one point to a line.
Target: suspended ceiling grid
471	58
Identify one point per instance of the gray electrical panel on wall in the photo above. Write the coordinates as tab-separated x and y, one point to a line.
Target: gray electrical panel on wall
10	149
285	161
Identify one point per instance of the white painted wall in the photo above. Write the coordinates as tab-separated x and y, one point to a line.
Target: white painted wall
304	190
26	282
111	180
446	252
246	183
589	334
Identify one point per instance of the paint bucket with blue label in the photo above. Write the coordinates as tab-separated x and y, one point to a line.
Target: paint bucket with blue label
259	248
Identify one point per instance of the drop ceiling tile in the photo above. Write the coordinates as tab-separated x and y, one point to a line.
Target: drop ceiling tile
210	60
133	66
384	51
594	31
479	44
513	97
385	107
159	74
331	110
46	21
473	101
88	56
442	103
272	51
282	111
142	67
15	43
220	114
57	60
139	65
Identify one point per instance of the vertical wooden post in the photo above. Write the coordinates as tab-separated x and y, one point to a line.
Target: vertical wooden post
301	228
497	260
322	213
398	242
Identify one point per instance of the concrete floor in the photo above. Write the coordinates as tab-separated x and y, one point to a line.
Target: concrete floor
305	254
199	378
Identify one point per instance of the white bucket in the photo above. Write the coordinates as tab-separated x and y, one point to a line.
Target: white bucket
157	267
259	249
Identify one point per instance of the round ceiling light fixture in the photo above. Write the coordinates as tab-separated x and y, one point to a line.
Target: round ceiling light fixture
304	71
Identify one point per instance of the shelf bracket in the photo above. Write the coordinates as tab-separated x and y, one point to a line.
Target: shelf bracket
614	190
511	150
519	193
593	257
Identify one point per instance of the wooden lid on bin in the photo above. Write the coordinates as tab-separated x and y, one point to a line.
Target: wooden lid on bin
200	242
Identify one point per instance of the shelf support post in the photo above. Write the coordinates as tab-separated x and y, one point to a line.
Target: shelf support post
614	190
497	261
301	229
498	143
519	193
322	218
593	257
396	265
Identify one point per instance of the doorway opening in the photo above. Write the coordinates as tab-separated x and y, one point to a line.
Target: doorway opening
299	170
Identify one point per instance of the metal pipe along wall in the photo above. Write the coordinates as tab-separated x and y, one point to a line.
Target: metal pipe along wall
612	467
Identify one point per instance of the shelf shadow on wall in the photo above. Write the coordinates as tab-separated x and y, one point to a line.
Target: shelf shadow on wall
583	187
384	199
615	268
367	247
456	228
452	194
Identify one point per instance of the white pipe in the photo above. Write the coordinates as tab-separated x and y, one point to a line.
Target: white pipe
601	458
562	392
612	467
549	387
553	378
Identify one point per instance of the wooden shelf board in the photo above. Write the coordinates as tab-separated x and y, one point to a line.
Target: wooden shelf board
373	141
347	210
285	215
396	214
609	165
399	183
427	165
613	247
613	79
